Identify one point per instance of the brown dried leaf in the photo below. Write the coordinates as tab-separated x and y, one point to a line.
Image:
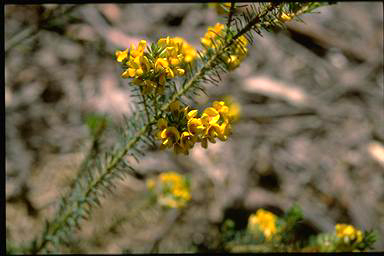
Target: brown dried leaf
376	150
273	88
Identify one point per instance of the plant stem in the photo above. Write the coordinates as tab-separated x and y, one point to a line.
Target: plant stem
145	107
231	11
62	219
155	103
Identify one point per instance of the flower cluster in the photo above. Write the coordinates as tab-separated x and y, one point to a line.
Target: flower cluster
348	233
181	128
171	189
263	221
151	69
213	39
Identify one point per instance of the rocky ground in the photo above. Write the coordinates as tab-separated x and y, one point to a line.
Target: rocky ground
311	128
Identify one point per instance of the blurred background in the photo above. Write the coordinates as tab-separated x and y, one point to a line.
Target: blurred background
311	128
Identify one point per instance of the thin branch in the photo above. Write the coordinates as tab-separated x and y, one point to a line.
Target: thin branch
112	164
231	11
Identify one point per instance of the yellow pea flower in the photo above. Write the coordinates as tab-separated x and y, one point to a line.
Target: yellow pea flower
139	71
220	107
174	61
233	62
150	183
171	51
191	114
265	221
211	132
187	140
210	116
126	73
180	71
189	52
224	131
169	135
195	126
140	49
161	64
286	17
169	73
348	233
206	41
173	190
164	41
121	55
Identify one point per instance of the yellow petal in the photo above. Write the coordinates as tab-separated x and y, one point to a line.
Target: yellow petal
139	71
125	74
121	55
180	71
191	114
142	45
212	115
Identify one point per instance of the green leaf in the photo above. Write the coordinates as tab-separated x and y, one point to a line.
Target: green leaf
96	124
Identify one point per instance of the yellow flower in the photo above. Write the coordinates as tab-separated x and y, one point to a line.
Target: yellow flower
174	191
140	49
189	52
169	136
221	108
179	71
178	52
161	64
136	66
233	62
241	45
164	41
121	55
126	74
170	176
187	140
348	233
210	116
238	50
195	126
286	17
224	131
264	221
192	114
211	34
212	131
151	184
234	108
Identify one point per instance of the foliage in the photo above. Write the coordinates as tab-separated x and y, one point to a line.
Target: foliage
268	233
